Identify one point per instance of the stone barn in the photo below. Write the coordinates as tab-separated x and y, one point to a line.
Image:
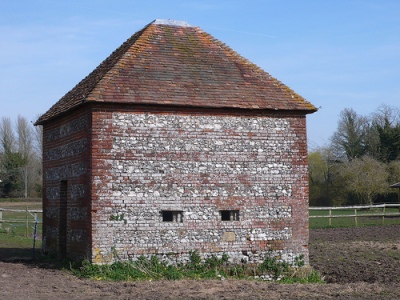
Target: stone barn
176	143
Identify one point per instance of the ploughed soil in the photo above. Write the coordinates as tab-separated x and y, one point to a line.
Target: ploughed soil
357	263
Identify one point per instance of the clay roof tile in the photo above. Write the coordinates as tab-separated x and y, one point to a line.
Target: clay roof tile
173	63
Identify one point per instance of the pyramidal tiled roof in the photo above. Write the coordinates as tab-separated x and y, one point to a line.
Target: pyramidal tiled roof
173	63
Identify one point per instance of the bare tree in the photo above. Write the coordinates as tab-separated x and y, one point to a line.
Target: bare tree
38	141
25	148
38	154
386	114
25	137
7	136
349	141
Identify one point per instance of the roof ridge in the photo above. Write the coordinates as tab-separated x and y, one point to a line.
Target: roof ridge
171	22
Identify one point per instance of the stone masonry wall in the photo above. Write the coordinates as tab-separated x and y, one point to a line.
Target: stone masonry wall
192	166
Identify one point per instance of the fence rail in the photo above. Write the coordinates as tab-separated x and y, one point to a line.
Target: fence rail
356	213
30	216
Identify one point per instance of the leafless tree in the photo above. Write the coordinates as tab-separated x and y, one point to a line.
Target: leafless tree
349	141
25	148
386	113
7	136
38	140
38	152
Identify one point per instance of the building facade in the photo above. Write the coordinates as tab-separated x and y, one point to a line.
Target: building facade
176	143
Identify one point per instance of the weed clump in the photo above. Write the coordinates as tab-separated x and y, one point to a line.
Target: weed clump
213	267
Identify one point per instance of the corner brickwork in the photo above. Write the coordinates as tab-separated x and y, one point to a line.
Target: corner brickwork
66	226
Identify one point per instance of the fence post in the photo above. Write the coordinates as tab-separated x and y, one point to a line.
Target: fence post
355	217
383	214
1	218
330	217
27	222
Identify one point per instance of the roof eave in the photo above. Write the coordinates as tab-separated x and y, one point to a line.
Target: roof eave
43	121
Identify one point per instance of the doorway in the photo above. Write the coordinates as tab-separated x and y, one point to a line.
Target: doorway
62	242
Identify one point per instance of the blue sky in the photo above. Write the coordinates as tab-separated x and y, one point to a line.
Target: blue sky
335	53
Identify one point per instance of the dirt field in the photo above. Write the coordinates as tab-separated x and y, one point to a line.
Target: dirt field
360	263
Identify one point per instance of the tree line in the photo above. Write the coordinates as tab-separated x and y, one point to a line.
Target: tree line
360	162
20	158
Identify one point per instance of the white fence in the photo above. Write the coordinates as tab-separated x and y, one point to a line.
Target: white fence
25	216
360	211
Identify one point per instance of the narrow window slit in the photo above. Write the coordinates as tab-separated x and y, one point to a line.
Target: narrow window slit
172	216
229	215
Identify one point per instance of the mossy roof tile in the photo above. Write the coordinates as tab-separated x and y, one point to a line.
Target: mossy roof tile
177	64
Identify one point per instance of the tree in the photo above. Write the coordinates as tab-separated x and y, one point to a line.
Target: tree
38	150
38	141
11	179
20	161
366	177
321	167
25	141
394	171
389	142
349	139
361	144
10	162
7	137
386	113
385	128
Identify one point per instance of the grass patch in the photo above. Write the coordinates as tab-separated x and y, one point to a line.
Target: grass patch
211	268
13	227
15	241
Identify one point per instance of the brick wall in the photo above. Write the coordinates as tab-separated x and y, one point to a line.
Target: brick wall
161	179
66	206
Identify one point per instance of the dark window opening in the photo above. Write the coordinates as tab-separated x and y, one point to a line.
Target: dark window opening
229	215
172	216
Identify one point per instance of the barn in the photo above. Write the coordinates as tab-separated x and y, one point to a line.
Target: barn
176	143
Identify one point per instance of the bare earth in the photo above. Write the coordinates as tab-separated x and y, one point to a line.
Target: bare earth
357	263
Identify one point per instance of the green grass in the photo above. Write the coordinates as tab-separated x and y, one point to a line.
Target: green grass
15	241
19	229
212	268
315	223
13	234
